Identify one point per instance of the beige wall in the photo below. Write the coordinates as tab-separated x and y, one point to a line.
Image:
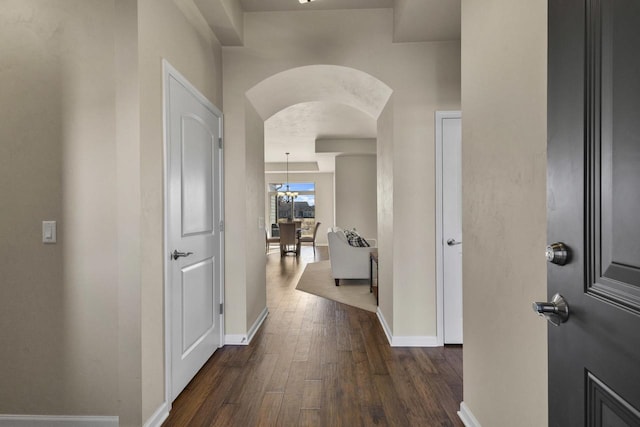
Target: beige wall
324	198
504	213
58	303
384	169
424	77
83	146
356	194
128	212
433	83
254	192
164	32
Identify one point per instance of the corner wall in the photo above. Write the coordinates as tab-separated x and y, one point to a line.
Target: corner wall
256	292
504	210
385	212
129	209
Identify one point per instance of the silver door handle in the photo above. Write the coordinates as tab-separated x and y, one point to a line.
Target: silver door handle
452	242
556	311
175	255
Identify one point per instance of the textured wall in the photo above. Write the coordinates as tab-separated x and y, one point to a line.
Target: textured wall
504	210
385	212
58	303
254	192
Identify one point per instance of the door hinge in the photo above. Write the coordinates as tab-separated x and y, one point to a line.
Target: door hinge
221	308
220	142
221	226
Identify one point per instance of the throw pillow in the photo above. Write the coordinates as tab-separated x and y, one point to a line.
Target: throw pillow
354	239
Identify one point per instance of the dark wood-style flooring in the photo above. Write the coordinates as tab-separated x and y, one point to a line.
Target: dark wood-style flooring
315	362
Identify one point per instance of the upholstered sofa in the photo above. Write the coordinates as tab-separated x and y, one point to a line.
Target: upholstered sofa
348	262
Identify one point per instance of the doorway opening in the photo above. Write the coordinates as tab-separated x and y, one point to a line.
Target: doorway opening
449	227
329	112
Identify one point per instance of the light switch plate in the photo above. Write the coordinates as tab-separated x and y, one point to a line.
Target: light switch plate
260	223
49	232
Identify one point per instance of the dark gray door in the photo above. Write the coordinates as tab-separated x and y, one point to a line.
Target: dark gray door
594	207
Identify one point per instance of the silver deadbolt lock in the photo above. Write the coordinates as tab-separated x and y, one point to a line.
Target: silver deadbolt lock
558	253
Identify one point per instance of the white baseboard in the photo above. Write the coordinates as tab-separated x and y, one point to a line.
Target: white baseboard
57	421
246	339
256	325
230	339
158	417
406	341
385	326
467	417
415	341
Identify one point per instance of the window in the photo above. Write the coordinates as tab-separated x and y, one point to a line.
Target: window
304	206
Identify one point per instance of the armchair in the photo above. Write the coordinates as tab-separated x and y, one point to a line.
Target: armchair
348	262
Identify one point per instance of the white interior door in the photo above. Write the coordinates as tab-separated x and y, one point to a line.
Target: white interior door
451	175
194	202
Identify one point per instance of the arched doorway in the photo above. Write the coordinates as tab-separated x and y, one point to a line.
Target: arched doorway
307	87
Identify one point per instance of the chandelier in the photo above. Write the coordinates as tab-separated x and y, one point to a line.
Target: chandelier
287	196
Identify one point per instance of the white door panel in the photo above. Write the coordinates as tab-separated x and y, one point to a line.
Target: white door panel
452	229
194	210
198	299
197	175
451	176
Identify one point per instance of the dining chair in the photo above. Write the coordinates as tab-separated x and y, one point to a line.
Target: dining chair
311	239
270	240
289	242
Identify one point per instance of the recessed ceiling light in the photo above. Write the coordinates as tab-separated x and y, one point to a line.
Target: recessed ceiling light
305	1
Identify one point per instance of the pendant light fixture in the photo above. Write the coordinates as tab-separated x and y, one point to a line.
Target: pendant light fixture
287	196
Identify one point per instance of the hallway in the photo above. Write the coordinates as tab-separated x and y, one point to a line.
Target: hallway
315	362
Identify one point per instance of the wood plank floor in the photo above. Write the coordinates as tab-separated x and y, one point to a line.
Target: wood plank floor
316	362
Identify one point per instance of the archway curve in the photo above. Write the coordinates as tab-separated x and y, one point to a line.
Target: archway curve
321	84
331	83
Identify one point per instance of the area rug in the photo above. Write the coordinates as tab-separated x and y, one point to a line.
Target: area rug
316	279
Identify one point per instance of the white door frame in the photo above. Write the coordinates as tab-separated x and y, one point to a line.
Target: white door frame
169	71
439	117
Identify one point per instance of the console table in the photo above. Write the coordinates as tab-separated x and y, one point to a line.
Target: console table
373	273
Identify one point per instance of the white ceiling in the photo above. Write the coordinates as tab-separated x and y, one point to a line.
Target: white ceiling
295	128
